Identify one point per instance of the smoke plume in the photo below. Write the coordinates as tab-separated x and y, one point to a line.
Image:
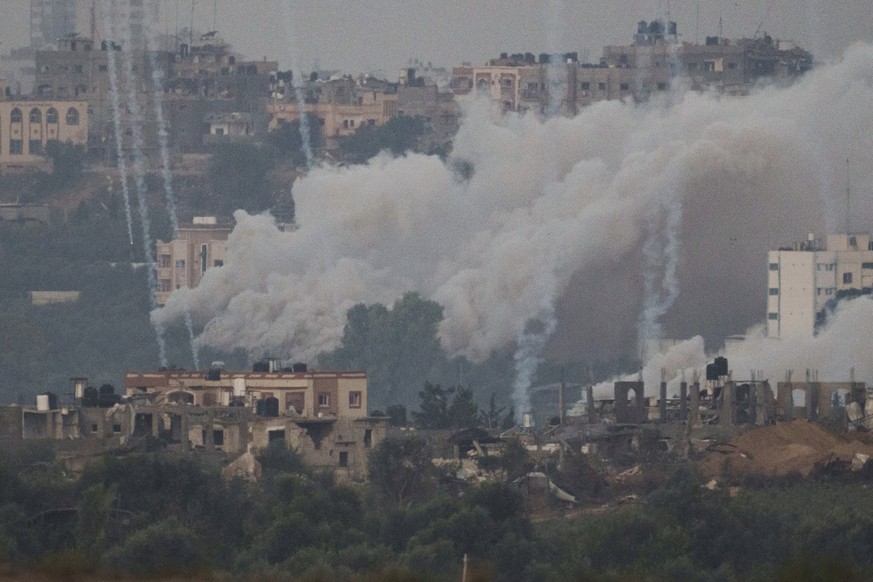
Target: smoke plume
552	217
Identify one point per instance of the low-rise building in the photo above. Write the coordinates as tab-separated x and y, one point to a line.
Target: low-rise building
26	128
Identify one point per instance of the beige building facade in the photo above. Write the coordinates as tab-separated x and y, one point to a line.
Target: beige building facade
26	128
182	262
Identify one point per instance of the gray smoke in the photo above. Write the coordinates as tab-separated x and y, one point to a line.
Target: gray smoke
553	217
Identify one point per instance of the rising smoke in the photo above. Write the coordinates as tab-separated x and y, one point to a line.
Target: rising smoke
553	216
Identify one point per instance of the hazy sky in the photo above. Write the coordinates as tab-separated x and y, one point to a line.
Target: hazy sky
359	35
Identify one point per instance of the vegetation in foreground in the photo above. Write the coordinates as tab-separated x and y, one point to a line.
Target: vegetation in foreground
163	516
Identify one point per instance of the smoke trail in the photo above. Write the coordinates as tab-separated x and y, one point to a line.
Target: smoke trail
297	87
138	172
529	355
116	123
166	172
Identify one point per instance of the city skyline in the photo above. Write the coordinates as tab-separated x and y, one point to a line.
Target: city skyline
385	35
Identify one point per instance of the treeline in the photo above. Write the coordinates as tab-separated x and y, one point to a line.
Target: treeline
161	516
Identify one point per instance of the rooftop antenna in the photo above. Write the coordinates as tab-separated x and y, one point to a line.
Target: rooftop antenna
766	14
848	199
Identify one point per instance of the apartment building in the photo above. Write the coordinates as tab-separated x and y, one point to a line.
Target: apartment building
198	247
808	277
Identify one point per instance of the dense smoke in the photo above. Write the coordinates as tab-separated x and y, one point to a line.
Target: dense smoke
554	217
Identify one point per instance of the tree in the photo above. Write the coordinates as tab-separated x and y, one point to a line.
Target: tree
491	418
401	469
287	140
463	411
399	135
434	409
239	176
68	159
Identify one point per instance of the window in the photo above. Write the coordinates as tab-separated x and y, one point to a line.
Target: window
72	116
103	68
774	266
180	263
732	66
51	116
34	147
624	86
853	242
217	263
585	85
323	399
343	459
867	265
93	428
532	86
163	261
218	438
15	115
16	146
354	399
662	86
116	428
601	86
204	249
368	438
773	316
847	278
774	291
692	66
35	115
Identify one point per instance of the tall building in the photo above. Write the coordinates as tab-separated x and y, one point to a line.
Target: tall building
807	278
51	20
197	248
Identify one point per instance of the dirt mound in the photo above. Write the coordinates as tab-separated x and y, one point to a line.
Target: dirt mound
791	447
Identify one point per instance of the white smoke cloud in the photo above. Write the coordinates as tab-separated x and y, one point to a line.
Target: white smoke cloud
549	201
839	347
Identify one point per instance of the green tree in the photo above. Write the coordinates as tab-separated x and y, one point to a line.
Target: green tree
399	135
288	140
239	174
463	411
491	418
401	469
434	409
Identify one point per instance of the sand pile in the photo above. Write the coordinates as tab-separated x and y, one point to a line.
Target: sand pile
791	447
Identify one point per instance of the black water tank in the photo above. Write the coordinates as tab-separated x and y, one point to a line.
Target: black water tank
90	398
262	366
299	368
52	400
107	397
213	375
711	372
722	364
271	406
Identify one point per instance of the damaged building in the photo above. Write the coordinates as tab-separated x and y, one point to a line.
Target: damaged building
322	415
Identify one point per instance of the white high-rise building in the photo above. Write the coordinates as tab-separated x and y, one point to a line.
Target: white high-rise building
803	278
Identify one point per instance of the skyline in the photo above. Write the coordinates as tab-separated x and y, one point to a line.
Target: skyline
385	35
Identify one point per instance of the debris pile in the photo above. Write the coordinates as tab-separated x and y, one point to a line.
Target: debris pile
799	447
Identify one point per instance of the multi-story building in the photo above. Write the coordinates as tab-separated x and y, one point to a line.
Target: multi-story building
183	261
50	20
807	278
522	82
26	128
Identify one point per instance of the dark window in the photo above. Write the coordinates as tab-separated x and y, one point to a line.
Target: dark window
354	399
847	278
624	86
93	428
51	116
867	265
772	316
343	459
585	85
323	399
103	68
601	86
662	86
16	146
368	438
72	116
116	428
774	266
15	115
217	263
35	115
218	437
275	435
774	291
